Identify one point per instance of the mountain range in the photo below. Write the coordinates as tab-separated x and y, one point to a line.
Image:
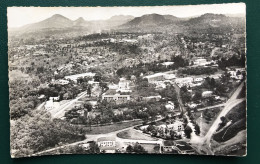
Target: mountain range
126	22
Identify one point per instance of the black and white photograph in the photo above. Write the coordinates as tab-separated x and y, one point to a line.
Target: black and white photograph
136	80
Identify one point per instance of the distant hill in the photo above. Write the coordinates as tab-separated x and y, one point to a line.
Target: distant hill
79	22
150	20
56	21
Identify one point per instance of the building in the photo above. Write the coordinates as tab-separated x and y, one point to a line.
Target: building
169	76
107	144
186	81
207	93
123	86
198	79
169	106
55	98
176	126
83	75
155	77
156	98
116	97
167	63
201	62
62	82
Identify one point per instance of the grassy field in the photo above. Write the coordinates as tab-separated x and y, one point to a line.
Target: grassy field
111	128
133	134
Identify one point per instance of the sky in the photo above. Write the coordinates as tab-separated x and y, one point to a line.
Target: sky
20	16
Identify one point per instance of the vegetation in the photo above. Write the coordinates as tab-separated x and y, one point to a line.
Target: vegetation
137	148
37	132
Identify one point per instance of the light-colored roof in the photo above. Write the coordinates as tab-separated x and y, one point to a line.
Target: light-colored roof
154	75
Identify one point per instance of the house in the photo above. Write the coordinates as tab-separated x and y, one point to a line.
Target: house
107	144
75	77
207	93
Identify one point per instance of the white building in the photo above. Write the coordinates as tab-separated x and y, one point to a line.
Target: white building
207	93
123	86
167	63
169	106
116	97
54	98
169	76
155	77
201	62
107	144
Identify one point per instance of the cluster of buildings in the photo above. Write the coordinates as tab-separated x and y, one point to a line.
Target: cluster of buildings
119	93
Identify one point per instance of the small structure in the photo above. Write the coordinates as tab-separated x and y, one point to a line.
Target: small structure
62	82
55	98
207	93
167	63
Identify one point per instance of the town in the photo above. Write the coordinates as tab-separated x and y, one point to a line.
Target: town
119	91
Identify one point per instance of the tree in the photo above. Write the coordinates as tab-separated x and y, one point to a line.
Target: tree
88	106
197	129
188	131
93	148
129	149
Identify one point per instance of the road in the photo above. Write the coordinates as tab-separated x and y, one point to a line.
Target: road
210	107
94	137
61	110
229	105
179	98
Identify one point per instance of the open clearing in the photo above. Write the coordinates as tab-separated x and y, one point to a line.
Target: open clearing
134	134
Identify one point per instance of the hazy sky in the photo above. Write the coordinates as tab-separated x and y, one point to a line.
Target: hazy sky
19	16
